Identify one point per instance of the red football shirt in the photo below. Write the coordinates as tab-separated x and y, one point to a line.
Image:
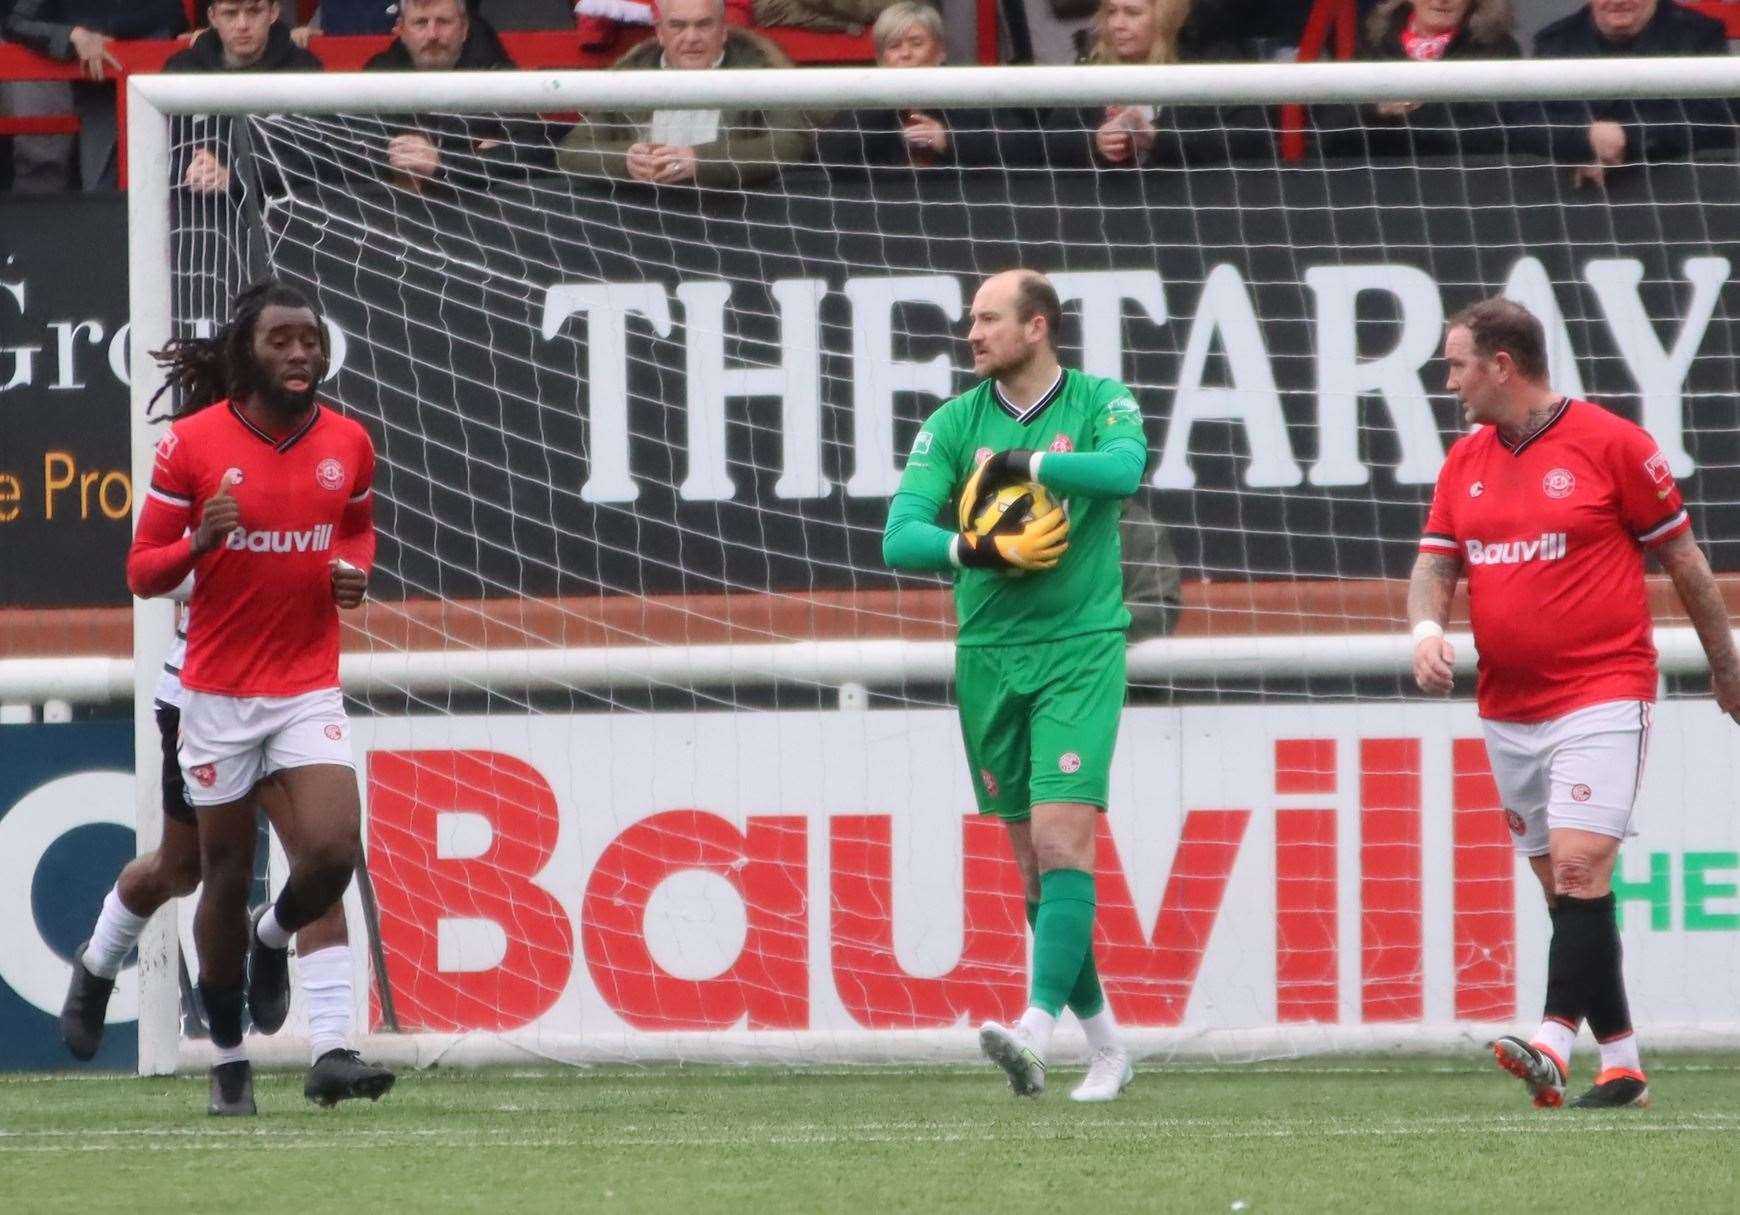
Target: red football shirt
1551	534
261	620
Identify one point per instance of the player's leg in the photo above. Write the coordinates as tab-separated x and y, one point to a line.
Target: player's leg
1078	695
1597	768
227	837
1518	758
323	964
1086	999
320	810
994	730
222	760
168	871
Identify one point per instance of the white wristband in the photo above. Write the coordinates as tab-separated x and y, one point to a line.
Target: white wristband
1427	628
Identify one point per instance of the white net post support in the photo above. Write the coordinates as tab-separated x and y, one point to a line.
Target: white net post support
515	676
149	305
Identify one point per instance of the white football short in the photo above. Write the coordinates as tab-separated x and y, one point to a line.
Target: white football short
229	743
1580	771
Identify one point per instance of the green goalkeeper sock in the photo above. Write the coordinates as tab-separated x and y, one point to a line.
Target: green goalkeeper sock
1063	936
1086	998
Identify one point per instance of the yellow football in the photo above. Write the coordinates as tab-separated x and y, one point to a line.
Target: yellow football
1037	499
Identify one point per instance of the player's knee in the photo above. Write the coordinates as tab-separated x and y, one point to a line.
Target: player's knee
181	877
1574	876
332	862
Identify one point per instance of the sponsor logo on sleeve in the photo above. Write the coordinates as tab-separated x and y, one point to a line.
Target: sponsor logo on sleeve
166	444
1659	473
1069	762
921	444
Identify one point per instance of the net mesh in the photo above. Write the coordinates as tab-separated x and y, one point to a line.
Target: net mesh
659	756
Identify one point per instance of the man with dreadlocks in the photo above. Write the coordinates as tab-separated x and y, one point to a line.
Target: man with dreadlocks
264	496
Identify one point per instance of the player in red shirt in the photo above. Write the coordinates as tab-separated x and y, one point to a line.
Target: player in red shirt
1549	505
276	490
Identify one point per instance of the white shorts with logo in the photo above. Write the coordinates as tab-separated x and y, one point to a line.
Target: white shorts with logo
1580	771
229	743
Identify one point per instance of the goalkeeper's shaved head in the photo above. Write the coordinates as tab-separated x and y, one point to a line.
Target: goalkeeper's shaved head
1035	296
1007	336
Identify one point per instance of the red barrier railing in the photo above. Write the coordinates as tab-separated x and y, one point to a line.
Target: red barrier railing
1328	17
542	49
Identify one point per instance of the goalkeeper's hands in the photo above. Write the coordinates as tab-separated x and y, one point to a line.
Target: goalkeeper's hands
1010	467
1013	545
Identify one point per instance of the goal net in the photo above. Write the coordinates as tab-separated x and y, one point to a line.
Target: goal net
659	758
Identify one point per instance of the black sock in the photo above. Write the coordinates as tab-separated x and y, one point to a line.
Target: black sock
223	1014
1564	971
1603	974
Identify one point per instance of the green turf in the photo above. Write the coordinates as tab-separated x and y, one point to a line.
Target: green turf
1366	1135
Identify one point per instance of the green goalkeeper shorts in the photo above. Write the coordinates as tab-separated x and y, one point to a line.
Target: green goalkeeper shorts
1040	721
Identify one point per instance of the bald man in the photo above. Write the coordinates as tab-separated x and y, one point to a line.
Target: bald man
1039	657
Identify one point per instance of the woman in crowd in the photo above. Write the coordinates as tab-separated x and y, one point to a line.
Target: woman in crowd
910	34
1134	134
1425	31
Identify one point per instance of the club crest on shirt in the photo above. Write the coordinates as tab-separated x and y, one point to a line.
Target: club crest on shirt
1478	488
990	781
1514	821
233	474
1559	483
334	731
980	456
1062	443
205	774
330	473
1581	793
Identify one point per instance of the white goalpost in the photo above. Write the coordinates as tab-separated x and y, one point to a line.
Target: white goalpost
659	760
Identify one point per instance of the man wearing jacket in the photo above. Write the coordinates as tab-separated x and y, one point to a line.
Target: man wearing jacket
1601	135
718	149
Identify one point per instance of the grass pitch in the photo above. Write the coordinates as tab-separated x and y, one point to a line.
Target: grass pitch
1364	1135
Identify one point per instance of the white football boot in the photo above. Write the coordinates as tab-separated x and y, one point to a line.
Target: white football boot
1010	1050
1107	1076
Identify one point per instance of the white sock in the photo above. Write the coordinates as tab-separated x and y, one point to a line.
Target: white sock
1037	1024
325	976
1557	1037
1101	1030
1621	1053
271	934
116	933
229	1054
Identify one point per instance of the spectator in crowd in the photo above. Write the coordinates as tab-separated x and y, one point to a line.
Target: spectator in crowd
1153	583
1602	135
909	33
83	30
1424	31
1132	134
718	149
823	16
244	36
460	150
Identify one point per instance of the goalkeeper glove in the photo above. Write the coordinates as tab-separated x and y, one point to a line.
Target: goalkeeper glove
1009	467
1013	545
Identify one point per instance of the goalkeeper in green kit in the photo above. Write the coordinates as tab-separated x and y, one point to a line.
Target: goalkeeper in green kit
1034	464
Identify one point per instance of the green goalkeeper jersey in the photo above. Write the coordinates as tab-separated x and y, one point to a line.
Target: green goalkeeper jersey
1090	430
